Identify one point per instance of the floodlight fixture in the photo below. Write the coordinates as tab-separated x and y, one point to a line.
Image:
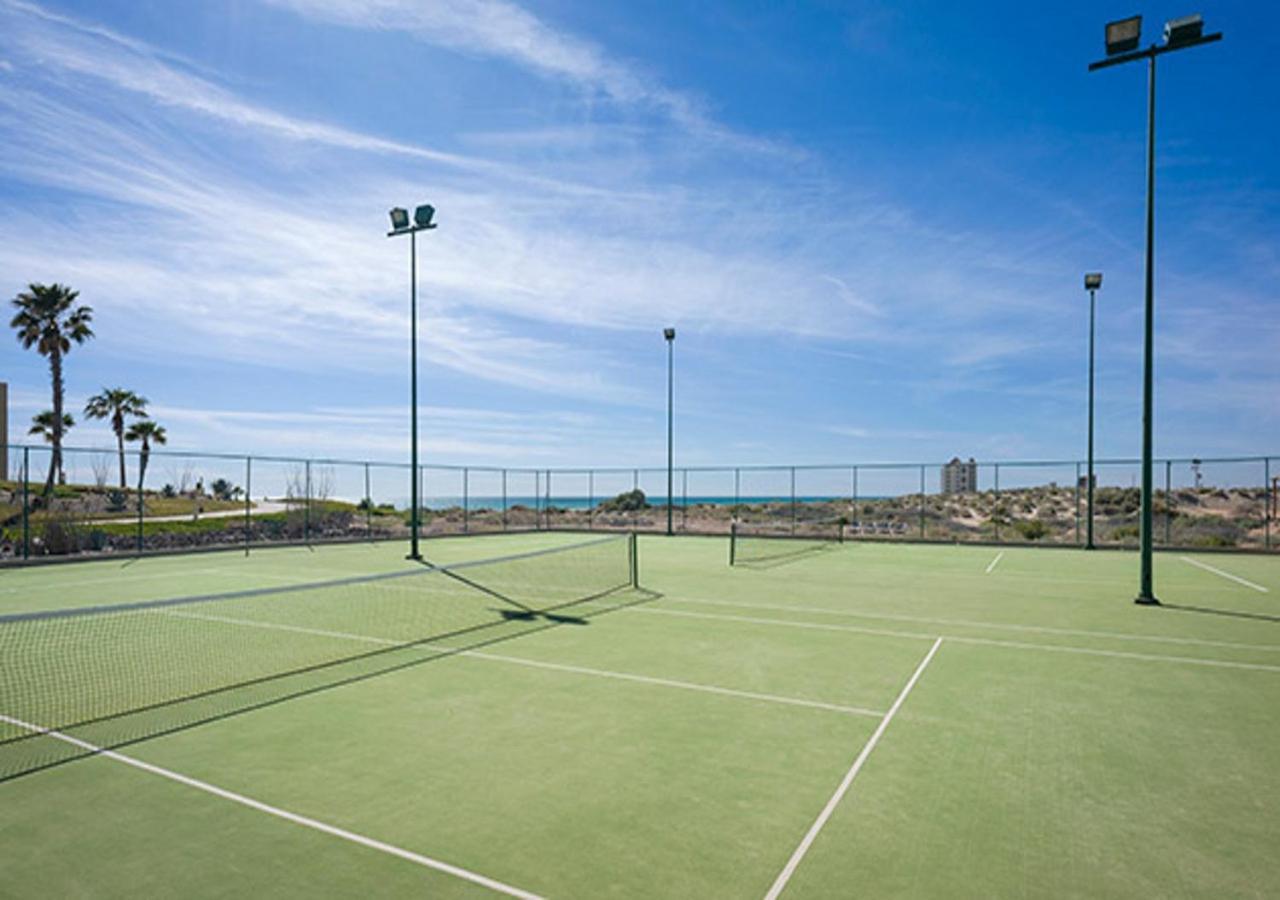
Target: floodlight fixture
423	214
1183	30
669	333
399	219
1092	281
1123	35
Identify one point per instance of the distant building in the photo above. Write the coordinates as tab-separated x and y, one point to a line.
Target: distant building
960	477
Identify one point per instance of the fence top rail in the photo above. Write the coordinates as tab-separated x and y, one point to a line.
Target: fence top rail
1264	459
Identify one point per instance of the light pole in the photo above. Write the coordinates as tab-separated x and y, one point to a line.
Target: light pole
670	335
1122	41
400	225
1092	282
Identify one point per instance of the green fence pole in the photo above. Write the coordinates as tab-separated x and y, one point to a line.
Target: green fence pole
141	513
1269	502
466	501
248	502
306	506
1168	501
684	500
591	499
922	502
1077	504
997	510
368	503
793	499
504	499
26	502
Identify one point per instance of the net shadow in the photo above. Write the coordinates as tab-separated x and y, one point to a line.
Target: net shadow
1211	611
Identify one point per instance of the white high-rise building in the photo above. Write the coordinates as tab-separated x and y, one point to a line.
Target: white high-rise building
960	477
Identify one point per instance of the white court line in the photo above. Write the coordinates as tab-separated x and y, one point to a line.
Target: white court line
537	664
279	813
1237	579
789	869
994	561
986	642
93	582
997	626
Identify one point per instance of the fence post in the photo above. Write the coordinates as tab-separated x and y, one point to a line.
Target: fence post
1269	502
684	500
537	499
26	502
997	515
793	499
466	500
635	480
1168	501
546	507
504	499
737	491
591	499
368	502
1077	504
141	505
922	502
306	505
248	502
857	517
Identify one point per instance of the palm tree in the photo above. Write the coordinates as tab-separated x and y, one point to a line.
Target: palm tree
115	404
49	320
148	432
42	424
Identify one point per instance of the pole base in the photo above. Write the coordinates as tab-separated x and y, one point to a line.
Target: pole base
1146	601
416	557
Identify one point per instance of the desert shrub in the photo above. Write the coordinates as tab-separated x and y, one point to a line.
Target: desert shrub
1032	529
628	501
117	501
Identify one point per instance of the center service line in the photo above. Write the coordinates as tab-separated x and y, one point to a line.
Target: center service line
994	561
784	876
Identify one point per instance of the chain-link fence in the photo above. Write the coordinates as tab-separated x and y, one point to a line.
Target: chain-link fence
99	501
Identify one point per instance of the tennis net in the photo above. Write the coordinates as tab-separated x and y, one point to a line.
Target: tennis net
768	543
112	675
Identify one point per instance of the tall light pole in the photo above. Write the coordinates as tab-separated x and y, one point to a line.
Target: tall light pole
400	225
1122	39
1092	281
670	335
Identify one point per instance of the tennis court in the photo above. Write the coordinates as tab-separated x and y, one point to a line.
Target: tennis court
594	717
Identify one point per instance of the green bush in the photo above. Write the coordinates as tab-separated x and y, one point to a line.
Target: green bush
628	501
1032	529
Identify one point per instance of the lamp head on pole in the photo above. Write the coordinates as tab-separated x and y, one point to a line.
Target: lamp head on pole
1092	281
423	214
1123	35
1183	30
669	333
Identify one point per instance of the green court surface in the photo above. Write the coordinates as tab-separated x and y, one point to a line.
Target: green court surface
862	719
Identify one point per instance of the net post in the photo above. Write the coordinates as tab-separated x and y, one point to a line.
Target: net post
733	540
248	501
26	502
633	548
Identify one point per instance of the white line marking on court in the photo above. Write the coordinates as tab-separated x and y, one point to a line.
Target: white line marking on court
279	813
665	682
988	642
994	561
581	670
789	869
998	626
1236	578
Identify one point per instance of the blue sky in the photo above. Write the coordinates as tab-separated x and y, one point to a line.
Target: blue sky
868	222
